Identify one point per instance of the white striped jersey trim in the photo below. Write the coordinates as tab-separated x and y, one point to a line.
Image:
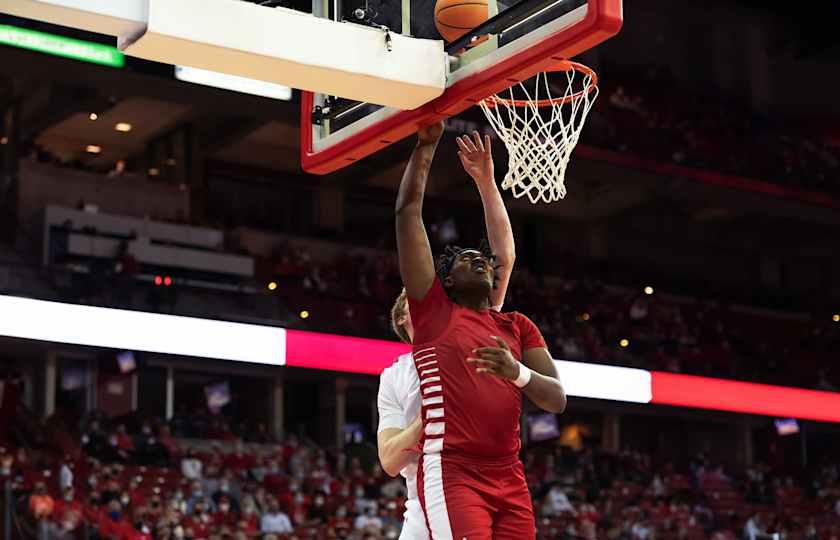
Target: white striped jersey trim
434	413
437	513
431	389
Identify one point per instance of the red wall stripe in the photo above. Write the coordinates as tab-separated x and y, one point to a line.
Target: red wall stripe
743	397
341	353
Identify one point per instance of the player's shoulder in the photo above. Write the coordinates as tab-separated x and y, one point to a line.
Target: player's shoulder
512	316
401	365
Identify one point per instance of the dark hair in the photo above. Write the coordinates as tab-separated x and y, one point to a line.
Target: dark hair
446	259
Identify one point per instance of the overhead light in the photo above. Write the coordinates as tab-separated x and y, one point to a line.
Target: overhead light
624	343
272	286
123	127
648	290
304	314
93	116
836	317
232	82
4	140
93	149
154	171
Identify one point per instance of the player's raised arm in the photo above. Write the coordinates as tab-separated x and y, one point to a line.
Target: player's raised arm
417	267
477	158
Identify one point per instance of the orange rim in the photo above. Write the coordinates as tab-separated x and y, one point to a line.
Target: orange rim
564	65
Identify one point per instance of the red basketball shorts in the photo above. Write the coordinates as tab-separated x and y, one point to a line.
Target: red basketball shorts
475	501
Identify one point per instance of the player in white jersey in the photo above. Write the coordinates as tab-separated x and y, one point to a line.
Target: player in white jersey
399	386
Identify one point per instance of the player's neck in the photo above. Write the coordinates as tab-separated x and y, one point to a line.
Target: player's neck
476	303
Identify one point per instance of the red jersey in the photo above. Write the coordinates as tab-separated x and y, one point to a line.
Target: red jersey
465	413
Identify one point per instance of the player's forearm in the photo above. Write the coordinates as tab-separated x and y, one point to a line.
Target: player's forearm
547	393
396	453
500	236
413	184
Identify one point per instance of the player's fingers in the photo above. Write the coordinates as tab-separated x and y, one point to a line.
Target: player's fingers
483	363
478	143
501	343
461	145
487	144
469	143
490	351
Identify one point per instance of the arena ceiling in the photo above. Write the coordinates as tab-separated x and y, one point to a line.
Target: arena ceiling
57	97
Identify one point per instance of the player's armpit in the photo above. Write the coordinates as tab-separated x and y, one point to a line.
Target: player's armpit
396	446
544	389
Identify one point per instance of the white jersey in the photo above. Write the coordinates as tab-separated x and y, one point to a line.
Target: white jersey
399	404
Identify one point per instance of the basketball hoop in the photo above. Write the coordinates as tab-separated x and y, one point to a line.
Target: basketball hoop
540	131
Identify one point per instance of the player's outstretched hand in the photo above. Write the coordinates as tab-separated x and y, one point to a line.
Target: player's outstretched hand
496	361
430	134
476	157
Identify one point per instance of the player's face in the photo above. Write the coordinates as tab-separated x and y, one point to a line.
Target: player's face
472	270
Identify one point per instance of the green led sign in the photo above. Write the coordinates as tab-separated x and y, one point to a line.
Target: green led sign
65	47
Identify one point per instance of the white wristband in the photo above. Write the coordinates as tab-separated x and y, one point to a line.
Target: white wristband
524	376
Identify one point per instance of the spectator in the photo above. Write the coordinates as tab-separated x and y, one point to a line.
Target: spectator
41	504
754	529
65	475
112	525
275	521
368	521
557	503
191	466
225	514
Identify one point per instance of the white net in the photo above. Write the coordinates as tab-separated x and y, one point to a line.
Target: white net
541	130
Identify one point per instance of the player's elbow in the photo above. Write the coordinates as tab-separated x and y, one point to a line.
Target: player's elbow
557	403
388	464
560	405
389	467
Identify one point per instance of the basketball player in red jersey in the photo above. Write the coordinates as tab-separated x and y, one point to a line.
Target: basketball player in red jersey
474	363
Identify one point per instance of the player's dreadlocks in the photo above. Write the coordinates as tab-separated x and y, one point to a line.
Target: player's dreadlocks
446	259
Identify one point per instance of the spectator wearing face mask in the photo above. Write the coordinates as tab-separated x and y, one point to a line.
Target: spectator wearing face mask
229	488
191	466
340	521
275	521
361	502
112	526
198	520
318	514
196	494
249	520
224	514
368	522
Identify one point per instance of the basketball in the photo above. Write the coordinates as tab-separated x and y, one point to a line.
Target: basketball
454	18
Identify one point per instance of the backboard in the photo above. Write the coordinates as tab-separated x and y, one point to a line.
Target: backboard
525	38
